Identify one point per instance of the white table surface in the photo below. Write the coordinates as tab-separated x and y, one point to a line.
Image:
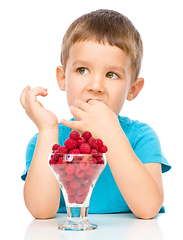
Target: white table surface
110	226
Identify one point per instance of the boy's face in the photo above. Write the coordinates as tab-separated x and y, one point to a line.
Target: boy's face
97	71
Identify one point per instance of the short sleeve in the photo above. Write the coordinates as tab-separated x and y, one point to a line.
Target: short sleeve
29	155
147	147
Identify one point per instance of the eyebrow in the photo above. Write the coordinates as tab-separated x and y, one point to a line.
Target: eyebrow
117	68
80	62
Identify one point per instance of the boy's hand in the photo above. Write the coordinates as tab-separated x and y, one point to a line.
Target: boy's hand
34	109
94	116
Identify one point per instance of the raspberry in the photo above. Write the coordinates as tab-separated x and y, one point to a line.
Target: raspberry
75	184
86	135
52	161
69	177
71	199
55	147
62	161
85	180
84	148
80	141
55	156
62	149
89	171
99	159
93	161
70	169
84	165
83	189
74	151
70	143
103	149
93	151
99	142
74	135
92	143
79	199
79	173
70	191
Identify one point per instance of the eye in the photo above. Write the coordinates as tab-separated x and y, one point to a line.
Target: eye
112	75
82	70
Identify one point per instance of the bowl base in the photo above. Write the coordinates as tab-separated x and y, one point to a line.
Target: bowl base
81	225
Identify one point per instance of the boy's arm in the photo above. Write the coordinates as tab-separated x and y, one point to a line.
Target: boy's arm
41	189
140	184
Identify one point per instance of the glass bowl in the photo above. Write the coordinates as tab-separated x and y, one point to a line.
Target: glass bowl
77	175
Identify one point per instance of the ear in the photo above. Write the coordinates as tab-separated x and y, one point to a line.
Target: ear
135	89
60	75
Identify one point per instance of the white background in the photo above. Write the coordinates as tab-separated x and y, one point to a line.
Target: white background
31	33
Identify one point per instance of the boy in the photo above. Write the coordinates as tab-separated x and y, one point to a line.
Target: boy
101	59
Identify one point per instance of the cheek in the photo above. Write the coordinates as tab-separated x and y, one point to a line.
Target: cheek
117	100
72	91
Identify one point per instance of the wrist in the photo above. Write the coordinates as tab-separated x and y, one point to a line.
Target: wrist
49	134
45	129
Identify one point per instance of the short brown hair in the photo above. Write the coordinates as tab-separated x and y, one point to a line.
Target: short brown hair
105	25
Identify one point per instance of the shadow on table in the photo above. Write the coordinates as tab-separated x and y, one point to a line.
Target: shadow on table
110	226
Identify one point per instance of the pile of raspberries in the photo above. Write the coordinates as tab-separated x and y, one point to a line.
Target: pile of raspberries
76	144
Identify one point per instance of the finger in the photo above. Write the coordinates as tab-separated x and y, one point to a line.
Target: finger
70	124
76	112
38	91
94	101
82	105
34	92
23	95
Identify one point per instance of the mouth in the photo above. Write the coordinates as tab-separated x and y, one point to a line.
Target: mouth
93	99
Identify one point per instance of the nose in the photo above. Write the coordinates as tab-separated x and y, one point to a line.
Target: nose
96	84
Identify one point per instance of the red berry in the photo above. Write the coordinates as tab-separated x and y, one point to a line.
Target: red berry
84	165
62	149
70	191
74	135
62	161
79	173
86	135
89	171
92	143
55	147
103	149
79	199
75	184
70	143
71	199
80	141
99	142
69	177
70	169
74	151
84	148
52	161
55	156
93	161
99	158
85	180
83	189
93	151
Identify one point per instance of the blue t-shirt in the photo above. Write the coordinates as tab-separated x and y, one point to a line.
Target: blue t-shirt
106	197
